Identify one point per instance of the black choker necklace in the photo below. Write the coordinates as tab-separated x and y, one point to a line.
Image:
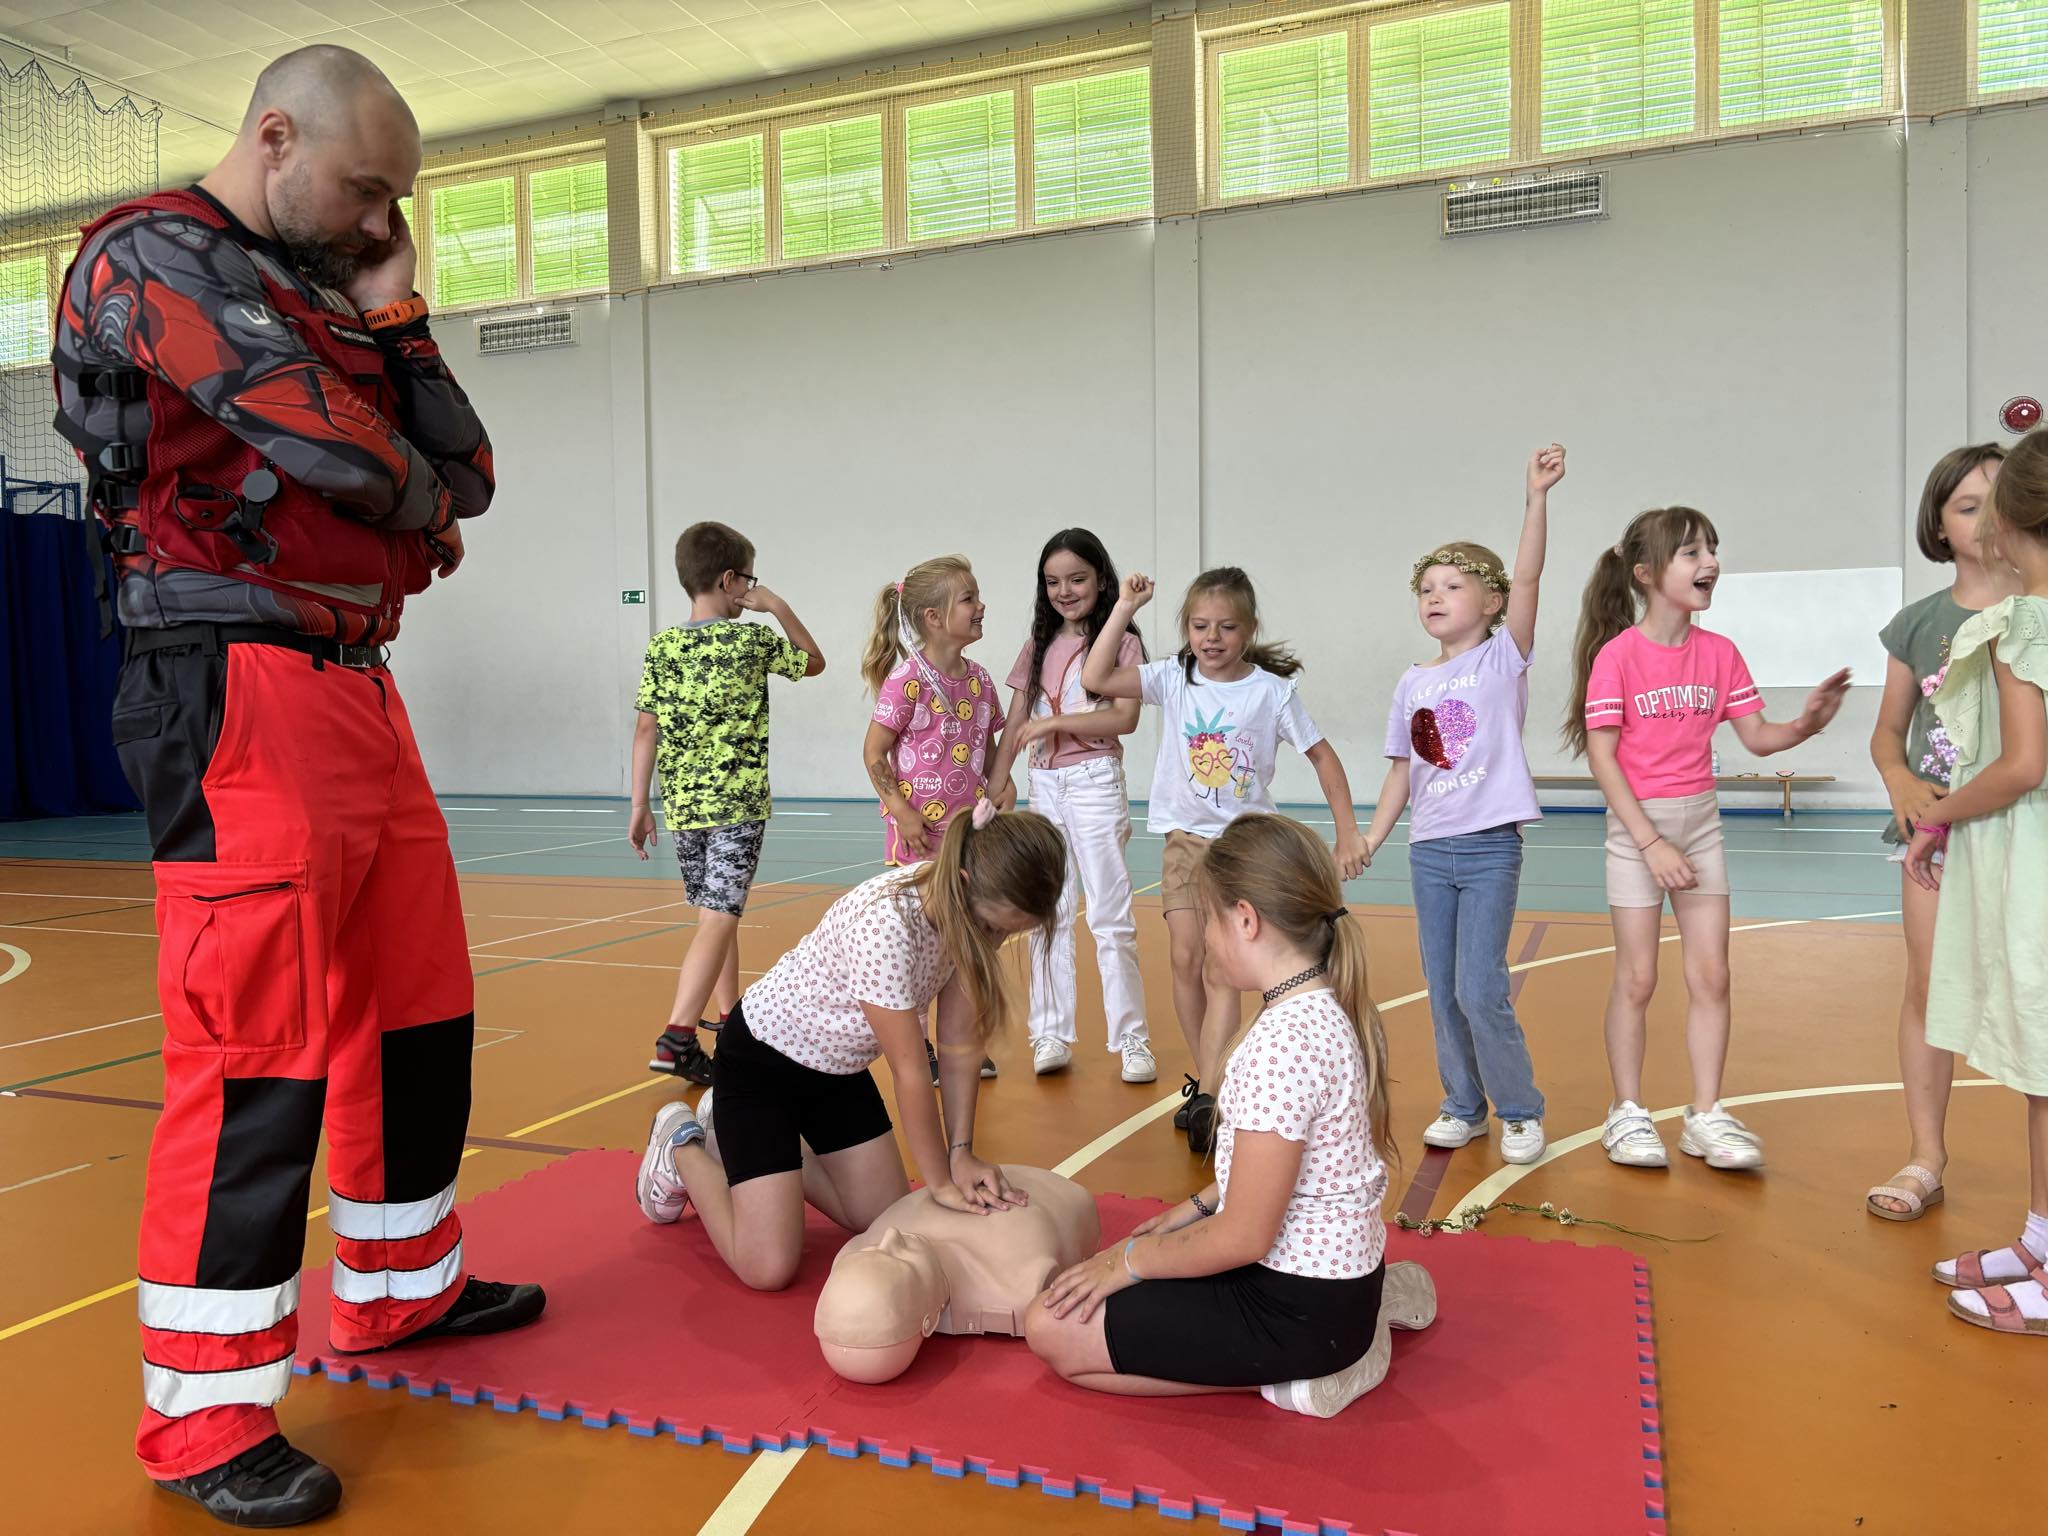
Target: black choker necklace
1292	982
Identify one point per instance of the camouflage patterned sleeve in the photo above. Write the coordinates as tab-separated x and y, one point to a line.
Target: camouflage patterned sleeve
183	301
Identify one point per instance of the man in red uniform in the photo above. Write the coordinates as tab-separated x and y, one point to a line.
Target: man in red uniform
280	457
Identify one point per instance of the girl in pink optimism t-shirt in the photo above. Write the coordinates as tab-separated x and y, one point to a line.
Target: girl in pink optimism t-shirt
1647	694
1076	763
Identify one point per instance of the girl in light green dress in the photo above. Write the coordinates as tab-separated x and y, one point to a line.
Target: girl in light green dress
1987	995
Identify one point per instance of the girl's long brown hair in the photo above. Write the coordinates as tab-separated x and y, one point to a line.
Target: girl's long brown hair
1234	587
2019	496
1018	860
1285	873
1614	600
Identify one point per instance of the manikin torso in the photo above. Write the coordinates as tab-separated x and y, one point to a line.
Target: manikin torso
922	1269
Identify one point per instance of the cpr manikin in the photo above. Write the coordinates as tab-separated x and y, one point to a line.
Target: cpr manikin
922	1269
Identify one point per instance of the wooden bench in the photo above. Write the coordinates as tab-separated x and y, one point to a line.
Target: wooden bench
1785	783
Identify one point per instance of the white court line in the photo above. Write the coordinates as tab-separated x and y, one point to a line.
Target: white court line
1498	1183
103	933
502	1034
16	965
766	1472
67	896
43	1178
520	853
90	1029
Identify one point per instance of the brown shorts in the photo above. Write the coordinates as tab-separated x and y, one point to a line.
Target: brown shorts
1183	857
1692	825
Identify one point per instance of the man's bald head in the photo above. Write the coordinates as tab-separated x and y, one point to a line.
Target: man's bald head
333	146
327	90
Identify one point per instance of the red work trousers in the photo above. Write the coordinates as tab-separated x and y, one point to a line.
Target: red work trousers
312	968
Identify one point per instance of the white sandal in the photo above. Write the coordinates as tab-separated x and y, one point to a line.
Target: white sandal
1915	1201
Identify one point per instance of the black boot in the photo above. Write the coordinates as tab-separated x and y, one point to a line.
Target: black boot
267	1486
1188	1089
677	1051
1201	1124
483	1307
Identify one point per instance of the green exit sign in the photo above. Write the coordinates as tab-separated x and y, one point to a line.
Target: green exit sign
633	595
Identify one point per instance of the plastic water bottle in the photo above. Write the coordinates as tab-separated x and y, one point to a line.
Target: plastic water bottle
1717	765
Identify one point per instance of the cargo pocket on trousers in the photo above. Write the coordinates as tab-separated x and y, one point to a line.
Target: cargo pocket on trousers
231	955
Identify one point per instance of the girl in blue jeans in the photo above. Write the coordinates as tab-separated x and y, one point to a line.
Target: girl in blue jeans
1454	740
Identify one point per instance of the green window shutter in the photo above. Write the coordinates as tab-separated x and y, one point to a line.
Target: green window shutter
571	239
1283	117
1787	59
832	188
476	251
961	166
24	310
1616	71
2012	45
717	213
1440	91
1091	147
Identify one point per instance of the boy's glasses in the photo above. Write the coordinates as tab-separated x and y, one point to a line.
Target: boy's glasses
749	578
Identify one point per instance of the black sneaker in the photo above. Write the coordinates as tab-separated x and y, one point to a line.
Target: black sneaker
1189	1087
483	1307
931	1055
1201	1124
988	1066
678	1052
267	1486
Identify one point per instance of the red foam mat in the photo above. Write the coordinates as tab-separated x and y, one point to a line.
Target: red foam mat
1530	1406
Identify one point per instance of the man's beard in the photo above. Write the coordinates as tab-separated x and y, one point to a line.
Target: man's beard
320	261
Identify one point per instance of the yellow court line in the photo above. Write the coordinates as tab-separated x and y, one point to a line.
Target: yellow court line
69	1307
766	1472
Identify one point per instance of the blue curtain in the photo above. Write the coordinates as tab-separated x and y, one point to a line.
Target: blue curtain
57	671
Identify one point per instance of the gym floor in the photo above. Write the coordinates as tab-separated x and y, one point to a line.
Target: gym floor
1811	1377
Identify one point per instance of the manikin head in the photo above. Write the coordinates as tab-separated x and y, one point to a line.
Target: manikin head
880	1304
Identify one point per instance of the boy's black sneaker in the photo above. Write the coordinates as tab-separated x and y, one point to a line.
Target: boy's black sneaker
1188	1089
677	1051
1201	1124
988	1066
267	1486
931	1055
484	1306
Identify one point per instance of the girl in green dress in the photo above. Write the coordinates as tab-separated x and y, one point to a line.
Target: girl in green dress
1987	994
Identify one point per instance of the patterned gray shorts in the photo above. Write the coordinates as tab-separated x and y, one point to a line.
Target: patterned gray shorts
718	864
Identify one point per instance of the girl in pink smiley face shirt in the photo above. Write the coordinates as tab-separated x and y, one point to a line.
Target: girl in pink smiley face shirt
927	748
1648	694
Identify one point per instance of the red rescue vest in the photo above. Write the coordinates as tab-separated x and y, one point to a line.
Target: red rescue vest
192	496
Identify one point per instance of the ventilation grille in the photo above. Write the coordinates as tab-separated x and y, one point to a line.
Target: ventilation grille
1475	210
527	333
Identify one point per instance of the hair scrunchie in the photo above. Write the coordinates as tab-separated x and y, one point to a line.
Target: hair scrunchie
984	813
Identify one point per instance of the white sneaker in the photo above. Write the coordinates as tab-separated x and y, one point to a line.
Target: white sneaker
1521	1141
1139	1065
1049	1053
1720	1138
1631	1139
661	1194
1407	1300
1448	1130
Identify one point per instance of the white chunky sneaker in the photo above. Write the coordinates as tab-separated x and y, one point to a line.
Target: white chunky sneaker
710	1130
1521	1141
1049	1053
1631	1139
1139	1065
661	1194
1720	1138
1407	1300
1448	1130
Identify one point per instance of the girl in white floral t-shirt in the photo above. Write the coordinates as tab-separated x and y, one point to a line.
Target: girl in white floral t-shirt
1273	1277
800	1118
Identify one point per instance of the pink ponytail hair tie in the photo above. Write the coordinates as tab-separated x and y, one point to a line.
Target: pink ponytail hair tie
984	813
899	589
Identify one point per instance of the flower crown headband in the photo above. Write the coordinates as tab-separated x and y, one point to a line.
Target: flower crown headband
1486	573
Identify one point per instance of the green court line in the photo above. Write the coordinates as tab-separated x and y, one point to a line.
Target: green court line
55	1077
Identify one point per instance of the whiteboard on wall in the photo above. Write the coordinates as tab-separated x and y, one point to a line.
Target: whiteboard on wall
1796	627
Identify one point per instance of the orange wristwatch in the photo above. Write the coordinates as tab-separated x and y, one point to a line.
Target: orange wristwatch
404	312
